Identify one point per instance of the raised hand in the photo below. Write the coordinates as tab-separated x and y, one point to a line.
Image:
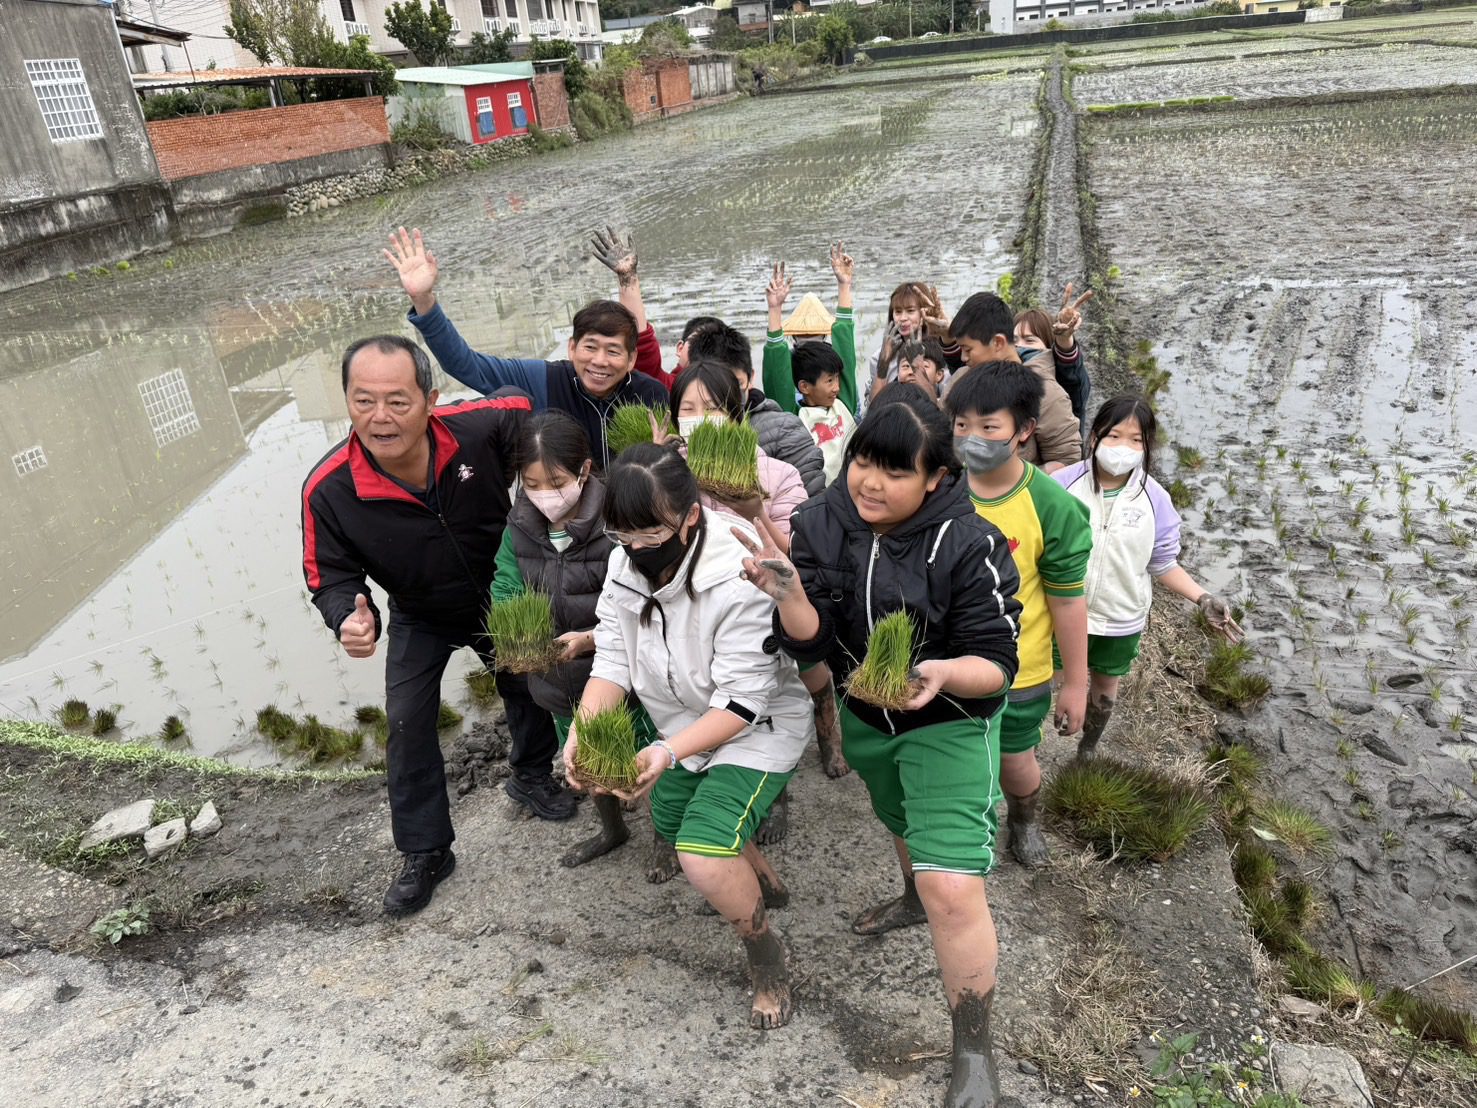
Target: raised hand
767	568
576	644
778	290
1069	318
842	264
416	266
356	632
617	252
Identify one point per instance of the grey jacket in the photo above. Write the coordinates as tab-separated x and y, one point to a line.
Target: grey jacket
783	436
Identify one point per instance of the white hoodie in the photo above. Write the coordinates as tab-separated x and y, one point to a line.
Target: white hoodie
708	652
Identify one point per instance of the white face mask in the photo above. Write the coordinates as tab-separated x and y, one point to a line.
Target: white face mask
687	424
1118	460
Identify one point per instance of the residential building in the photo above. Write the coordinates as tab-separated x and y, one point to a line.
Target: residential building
1008	16
577	21
477	103
203	20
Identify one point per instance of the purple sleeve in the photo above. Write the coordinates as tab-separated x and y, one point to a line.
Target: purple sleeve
1071	474
1166	553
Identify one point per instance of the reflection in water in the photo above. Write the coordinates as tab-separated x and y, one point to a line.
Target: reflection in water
160	423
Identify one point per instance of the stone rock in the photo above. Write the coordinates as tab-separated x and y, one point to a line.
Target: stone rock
128	822
207	821
1299	1008
164	838
1322	1076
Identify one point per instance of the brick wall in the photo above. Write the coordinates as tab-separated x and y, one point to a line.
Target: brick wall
194	145
674	83
550	101
640	90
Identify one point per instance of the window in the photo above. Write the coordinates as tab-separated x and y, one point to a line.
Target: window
511	7
515	100
168	405
66	103
346	8
535	10
28	461
489	9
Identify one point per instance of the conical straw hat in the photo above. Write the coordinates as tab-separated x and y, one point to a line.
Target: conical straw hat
810	317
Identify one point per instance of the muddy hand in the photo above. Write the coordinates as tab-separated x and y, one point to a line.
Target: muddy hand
576	644
1070	317
928	681
1218	614
571	774
617	252
766	568
779	285
1071	710
651	761
842	264
414	263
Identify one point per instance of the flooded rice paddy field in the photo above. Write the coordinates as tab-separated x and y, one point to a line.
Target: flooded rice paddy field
1307	280
160	420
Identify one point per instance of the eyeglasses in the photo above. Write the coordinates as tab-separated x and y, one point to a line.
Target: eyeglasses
632	538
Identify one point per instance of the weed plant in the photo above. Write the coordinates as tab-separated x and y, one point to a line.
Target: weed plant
1318	978
1428	1019
724	458
631	424
1131	811
883	679
522	631
605	747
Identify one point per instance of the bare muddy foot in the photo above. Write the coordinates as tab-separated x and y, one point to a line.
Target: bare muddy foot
828	734
904	911
777	824
769	974
774	892
664	864
612	834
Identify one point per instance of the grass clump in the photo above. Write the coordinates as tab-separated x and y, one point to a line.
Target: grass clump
1288	823
631	424
447	717
103	721
1428	1019
1328	982
309	736
884	678
173	730
482	688
1134	812
522	631
1254	867
372	720
724	457
605	747
74	714
1227	684
275	724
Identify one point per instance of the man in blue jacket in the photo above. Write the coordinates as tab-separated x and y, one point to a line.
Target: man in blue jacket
596	378
416	497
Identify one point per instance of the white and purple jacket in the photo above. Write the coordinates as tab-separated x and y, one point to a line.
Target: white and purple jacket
1135	538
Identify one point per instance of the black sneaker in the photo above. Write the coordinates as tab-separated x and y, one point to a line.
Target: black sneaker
543	796
412	890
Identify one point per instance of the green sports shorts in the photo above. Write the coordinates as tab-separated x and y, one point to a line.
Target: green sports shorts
1020	723
715	812
1108	655
935	788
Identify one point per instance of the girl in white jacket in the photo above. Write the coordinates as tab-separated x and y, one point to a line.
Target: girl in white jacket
1135	542
682	630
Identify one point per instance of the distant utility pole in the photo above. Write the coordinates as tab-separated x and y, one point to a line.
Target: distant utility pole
163	50
769	18
910	18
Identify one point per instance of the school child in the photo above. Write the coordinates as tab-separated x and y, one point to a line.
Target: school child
781	434
994	408
1036	331
1135	542
818	370
677	627
555	543
914	313
810	322
985	331
708	391
924	364
898	533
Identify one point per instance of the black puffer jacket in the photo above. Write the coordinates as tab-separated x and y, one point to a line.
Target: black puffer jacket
949	569
783	436
572	578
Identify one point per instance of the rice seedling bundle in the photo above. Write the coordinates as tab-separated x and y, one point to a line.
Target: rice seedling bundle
75	713
883	677
631	424
605	747
522	631
724	457
1134	812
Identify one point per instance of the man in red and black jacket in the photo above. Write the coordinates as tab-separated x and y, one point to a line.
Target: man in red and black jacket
416	497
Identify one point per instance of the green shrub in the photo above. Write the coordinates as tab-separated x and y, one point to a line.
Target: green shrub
1135	812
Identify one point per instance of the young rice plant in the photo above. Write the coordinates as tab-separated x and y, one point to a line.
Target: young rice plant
522	630
883	677
724	457
605	747
631	424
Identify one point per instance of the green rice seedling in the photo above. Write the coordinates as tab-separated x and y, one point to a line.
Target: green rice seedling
1189	457
1254	866
1181	495
605	747
173	730
724	458
74	714
275	724
631	424
522	630
1318	978
1428	1019
1351	778
1390	840
104	720
1344	749
482	688
1365	811
447	717
883	677
322	743
1226	681
372	719
1133	812
1290	824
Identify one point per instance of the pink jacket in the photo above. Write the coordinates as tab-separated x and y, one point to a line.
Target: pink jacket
784	491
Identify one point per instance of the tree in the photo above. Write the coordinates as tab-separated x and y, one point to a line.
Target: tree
666	37
576	73
835	37
425	32
294	32
489	48
726	34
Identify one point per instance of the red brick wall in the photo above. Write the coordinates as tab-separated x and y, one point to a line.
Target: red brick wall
675	85
192	145
640	88
550	101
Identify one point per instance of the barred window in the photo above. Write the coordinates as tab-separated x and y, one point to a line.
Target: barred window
168	405
66	102
29	461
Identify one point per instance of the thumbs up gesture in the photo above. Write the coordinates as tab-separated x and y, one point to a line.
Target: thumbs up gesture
356	632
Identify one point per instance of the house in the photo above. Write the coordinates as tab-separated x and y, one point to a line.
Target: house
202	22
576	21
753	15
79	184
696	16
477	103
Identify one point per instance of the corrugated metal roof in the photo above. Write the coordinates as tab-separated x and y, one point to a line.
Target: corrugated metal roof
455	75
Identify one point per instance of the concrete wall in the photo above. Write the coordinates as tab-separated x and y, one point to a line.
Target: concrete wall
711	76
82	202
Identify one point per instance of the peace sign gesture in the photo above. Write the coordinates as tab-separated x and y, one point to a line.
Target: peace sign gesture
767	568
1070	316
779	286
841	264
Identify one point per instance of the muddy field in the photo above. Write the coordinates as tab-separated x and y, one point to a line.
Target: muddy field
1314	313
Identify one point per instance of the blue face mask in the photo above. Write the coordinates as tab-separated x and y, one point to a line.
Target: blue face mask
1026	353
